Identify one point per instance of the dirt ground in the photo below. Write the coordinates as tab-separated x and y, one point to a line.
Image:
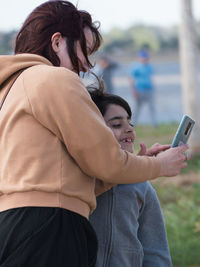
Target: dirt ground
179	180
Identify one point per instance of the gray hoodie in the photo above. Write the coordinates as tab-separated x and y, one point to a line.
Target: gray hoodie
130	228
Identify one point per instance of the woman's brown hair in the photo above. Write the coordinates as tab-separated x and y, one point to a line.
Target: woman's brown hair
57	16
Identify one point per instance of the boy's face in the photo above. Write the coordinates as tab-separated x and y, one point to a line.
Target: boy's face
117	119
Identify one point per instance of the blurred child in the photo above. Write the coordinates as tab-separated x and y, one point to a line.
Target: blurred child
142	85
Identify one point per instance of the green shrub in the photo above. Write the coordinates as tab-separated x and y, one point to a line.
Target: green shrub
181	209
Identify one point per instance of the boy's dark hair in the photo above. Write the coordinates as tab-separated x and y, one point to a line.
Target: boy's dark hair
57	16
103	99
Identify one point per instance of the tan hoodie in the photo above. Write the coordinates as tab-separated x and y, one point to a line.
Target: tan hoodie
53	140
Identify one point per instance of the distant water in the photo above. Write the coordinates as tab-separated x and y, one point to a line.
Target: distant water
168	95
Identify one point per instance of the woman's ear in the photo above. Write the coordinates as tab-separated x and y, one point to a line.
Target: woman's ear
56	40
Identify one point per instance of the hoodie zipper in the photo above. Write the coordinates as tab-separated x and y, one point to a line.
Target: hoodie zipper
110	227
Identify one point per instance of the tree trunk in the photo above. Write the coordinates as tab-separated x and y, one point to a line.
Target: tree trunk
189	67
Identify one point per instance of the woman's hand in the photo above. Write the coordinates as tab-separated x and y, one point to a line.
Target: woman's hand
153	150
173	160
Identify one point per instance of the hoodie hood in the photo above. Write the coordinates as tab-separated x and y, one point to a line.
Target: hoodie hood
9	65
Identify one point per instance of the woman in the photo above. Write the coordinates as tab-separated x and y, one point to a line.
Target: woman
128	219
54	140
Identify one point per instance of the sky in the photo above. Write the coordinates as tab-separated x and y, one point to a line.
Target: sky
110	13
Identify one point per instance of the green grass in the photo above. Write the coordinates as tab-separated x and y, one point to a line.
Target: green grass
180	204
162	134
193	165
181	209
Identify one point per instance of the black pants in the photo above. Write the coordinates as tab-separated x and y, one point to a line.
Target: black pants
46	237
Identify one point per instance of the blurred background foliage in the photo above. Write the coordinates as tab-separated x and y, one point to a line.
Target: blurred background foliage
7	42
154	38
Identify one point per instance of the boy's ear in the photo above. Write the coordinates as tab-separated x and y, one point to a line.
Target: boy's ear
55	41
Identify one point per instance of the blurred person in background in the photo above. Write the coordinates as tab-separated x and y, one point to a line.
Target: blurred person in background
142	86
105	69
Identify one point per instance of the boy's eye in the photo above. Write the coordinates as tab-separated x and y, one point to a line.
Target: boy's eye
116	125
131	124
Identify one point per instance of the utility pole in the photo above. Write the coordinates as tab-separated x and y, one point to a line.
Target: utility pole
189	67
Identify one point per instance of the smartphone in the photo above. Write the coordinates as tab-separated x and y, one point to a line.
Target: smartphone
183	132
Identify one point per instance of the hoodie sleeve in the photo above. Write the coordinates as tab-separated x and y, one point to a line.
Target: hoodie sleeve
101	187
61	103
